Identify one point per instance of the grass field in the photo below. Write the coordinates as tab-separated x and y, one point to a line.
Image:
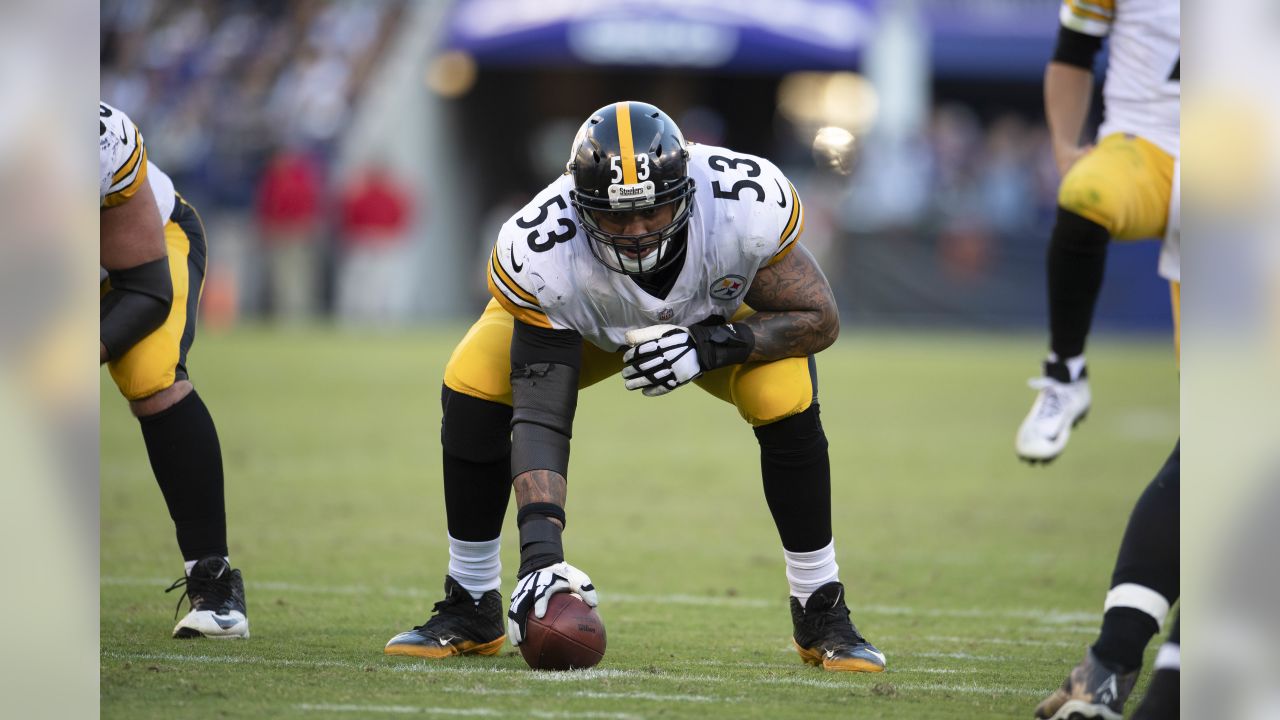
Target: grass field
980	578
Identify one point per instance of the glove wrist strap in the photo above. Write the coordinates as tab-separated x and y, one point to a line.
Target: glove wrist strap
721	345
540	543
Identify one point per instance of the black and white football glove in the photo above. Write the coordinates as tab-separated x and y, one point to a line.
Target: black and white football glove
661	359
534	591
664	357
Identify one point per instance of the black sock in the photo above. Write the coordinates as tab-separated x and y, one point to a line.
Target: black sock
1125	634
1148	557
476	439
186	458
797	479
1077	260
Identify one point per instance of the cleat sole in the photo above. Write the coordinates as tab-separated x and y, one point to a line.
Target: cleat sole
187	633
1084	710
1033	461
810	657
816	659
440	652
853	665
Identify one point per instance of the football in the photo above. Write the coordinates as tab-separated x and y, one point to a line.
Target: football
570	636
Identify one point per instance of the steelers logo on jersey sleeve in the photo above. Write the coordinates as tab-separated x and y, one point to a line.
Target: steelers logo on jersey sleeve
728	287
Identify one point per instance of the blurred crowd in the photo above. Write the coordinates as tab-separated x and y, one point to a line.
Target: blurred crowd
958	215
243	104
221	85
996	179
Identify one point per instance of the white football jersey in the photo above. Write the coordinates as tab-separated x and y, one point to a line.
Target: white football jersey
1143	88
123	165
746	215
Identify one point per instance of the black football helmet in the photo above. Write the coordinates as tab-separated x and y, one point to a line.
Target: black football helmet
630	157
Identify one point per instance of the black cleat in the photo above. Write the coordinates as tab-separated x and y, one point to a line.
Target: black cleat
824	634
1092	691
216	596
460	626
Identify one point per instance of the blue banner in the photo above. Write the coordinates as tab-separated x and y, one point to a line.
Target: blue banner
741	36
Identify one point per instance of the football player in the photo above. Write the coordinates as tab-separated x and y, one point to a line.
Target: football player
153	257
1125	187
673	263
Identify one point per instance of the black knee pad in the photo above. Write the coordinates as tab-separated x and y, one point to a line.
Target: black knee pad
472	429
796	436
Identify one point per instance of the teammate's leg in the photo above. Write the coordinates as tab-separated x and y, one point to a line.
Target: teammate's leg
1119	190
182	441
1145	581
186	457
779	399
1144	585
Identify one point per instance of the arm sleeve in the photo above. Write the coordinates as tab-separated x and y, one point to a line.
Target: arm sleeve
1076	48
532	344
544	397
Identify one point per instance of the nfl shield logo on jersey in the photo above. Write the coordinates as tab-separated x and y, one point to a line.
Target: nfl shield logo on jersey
665	314
728	287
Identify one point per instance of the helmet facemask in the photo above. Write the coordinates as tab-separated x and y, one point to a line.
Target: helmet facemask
629	157
644	253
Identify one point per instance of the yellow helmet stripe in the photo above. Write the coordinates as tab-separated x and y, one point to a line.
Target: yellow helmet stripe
624	141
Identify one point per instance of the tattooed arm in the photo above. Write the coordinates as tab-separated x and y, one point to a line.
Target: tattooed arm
541	486
796	313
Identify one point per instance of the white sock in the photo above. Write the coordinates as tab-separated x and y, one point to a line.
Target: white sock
808	571
476	565
188	564
1169	657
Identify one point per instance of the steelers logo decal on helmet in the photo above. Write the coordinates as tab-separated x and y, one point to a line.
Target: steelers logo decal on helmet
629	159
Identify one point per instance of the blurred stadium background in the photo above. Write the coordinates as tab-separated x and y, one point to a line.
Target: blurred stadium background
354	159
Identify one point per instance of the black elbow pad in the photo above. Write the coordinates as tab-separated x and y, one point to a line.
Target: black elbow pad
544	399
138	302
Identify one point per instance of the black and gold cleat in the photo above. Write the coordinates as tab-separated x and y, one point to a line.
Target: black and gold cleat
461	625
824	634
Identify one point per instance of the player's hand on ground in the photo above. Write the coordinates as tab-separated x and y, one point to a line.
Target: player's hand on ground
534	591
661	359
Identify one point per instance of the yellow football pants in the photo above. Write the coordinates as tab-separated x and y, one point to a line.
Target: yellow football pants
1123	184
763	392
160	359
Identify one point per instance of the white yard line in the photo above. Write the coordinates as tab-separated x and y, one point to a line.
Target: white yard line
592	675
462	712
731	665
951	639
963	656
1041	616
